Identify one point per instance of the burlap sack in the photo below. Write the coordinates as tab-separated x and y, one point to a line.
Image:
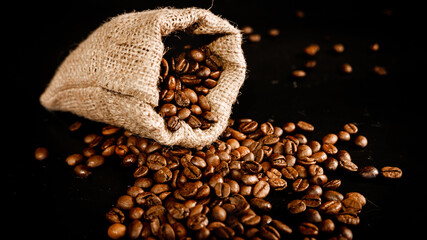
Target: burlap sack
112	76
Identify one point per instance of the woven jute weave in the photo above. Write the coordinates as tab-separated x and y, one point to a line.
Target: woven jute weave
112	76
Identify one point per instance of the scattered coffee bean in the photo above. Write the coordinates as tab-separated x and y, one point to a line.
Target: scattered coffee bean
368	172
391	172
41	153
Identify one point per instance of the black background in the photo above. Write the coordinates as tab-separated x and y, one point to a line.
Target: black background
45	199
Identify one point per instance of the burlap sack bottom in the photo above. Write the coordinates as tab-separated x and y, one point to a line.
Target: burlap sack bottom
112	76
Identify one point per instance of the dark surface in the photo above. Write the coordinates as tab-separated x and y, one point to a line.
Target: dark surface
45	199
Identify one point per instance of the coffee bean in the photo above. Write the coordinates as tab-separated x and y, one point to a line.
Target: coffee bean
312	215
174	122
300	185
391	172
197	221
296	206
261	189
115	215
269	233
330	207
135	229
95	161
308	229
41	153
197	55
327	225
346	218
125	202
312	49
116	231
368	172
82	171
361	141
222	190
166	232
348	165
351	128
305	126
74	159
156	161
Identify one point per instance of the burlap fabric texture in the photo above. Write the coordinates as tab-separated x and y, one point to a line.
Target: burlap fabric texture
112	76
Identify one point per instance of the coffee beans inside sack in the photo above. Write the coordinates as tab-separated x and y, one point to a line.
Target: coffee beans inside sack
185	80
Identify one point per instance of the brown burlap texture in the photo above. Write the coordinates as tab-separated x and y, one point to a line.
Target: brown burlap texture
112	76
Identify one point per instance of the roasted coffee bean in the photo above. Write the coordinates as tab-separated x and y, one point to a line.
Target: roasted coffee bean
166	232
329	148
194	122
222	190
331	164
197	221
349	166
330	207
312	200
74	159
312	215
260	203
135	229
305	126
41	153
308	229
269	233
192	172
351	205
314	190
361	141
289	173
156	161
348	218
357	197
163	175
327	225
344	136
300	185
116	231
82	171
261	189
296	206
277	183
125	202
391	172
95	161
332	195
115	215
332	184
368	172
351	128
174	123
196	55
250	219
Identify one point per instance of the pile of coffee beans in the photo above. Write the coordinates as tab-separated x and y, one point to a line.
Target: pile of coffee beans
185	80
222	191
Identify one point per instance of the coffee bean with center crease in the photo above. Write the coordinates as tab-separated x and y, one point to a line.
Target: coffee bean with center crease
391	172
261	189
308	229
296	206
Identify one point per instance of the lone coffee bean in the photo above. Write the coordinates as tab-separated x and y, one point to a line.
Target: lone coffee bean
223	190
